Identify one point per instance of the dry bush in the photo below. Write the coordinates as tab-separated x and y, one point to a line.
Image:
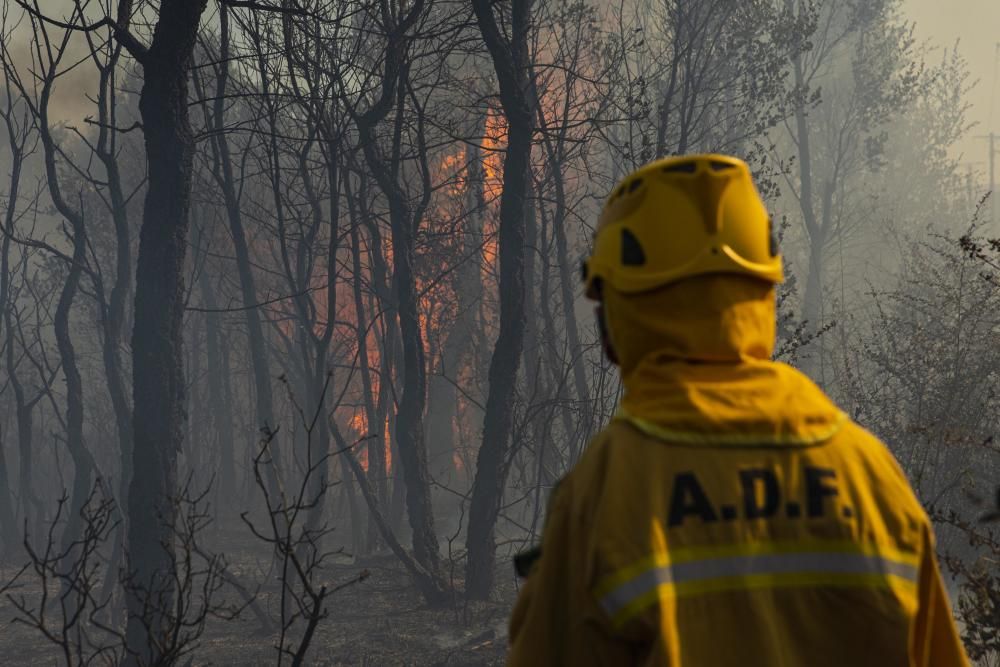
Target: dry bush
923	373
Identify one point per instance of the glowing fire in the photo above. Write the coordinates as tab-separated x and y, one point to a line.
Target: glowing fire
359	424
388	449
447	232
494	141
451	169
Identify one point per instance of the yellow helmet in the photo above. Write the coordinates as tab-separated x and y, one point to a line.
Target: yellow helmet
680	217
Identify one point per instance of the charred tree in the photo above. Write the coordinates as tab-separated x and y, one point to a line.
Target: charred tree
377	469
443	395
113	306
220	393
404	218
511	62
18	142
76	267
158	359
226	178
386	328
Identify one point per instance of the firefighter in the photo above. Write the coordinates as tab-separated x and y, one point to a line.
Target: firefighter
730	513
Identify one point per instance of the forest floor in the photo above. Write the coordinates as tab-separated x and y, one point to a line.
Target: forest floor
379	621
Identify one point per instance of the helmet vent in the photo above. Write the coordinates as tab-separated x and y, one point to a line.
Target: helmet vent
719	166
632	253
682	168
634	185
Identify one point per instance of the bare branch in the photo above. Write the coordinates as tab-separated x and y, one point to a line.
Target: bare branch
250	4
135	48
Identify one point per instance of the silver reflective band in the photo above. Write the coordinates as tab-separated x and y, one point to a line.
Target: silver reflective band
746	566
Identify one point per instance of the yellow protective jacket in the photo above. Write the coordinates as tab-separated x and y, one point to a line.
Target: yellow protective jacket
730	514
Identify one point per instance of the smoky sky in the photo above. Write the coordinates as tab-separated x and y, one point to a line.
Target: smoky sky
973	24
976	26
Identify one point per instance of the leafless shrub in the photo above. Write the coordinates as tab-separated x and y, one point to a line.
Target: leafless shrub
978	604
296	542
68	610
71	608
175	616
926	378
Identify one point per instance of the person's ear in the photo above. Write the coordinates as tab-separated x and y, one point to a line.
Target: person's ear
602	325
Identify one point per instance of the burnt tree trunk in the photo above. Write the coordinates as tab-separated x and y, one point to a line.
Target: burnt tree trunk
444	396
404	218
113	309
220	393
387	342
815	222
566	283
376	445
31	506
158	360
226	179
553	357
539	427
317	334
83	463
510	60
8	523
424	579
410	415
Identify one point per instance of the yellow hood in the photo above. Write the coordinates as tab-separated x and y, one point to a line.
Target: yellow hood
695	361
